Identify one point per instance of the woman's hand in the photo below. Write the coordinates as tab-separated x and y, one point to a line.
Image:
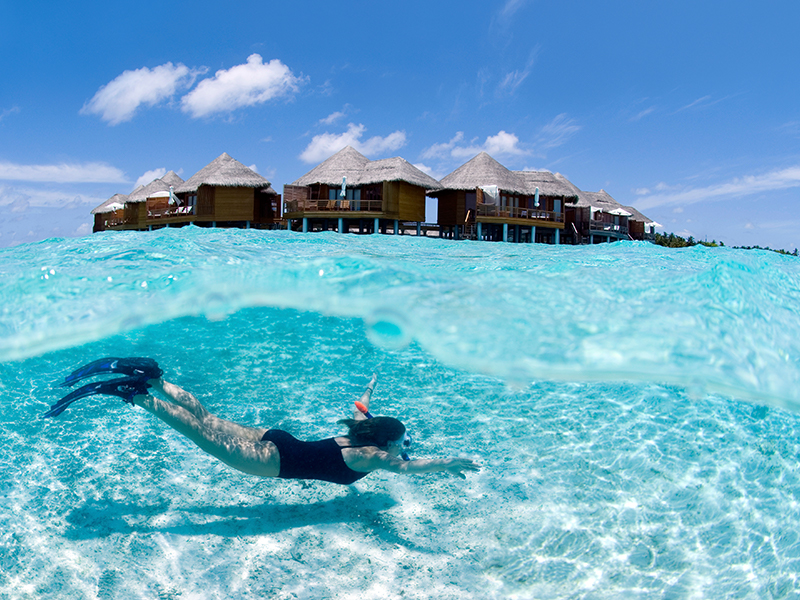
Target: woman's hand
457	466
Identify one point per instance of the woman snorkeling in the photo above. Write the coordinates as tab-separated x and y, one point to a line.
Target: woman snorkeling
371	444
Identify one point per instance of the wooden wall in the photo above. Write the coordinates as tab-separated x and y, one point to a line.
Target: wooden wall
412	202
403	201
205	201
391	197
234	203
452	207
294	193
135	215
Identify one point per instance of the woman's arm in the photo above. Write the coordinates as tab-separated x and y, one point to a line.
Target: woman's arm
455	466
366	460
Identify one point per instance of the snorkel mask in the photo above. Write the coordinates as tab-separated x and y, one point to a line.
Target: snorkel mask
404	443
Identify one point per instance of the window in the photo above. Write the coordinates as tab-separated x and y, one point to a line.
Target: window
350	194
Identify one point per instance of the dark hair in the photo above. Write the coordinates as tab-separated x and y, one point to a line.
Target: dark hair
378	430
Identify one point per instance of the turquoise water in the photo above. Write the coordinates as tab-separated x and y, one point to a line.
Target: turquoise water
635	410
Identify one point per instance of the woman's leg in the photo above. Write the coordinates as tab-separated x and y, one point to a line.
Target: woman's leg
242	453
365	398
185	400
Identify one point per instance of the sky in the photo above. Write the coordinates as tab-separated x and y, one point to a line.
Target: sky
689	111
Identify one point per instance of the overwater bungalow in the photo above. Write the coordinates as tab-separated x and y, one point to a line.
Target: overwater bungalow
349	192
110	213
641	227
595	218
224	193
484	200
149	202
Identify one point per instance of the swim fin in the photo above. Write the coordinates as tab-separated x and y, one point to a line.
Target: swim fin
125	388
142	368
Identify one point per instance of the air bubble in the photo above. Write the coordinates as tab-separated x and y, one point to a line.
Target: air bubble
388	329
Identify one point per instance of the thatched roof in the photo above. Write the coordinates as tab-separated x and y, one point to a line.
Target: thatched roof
601	200
223	171
172	178
484	170
549	184
348	162
396	169
142	193
106	207
269	190
637	216
480	171
360	170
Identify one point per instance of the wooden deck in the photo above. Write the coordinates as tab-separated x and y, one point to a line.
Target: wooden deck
511	215
296	209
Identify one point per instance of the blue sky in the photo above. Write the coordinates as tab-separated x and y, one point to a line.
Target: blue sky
689	111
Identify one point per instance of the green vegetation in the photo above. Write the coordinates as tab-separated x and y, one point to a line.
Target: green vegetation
675	241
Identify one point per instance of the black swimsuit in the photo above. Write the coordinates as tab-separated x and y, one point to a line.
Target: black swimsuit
311	460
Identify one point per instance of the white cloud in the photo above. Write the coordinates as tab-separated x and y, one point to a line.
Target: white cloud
442	150
779	179
324	145
557	132
792	127
643	113
335	116
429	170
149	176
504	18
503	143
702	100
254	82
8	111
331	118
19	206
19	200
510	7
117	101
514	79
62	173
83	229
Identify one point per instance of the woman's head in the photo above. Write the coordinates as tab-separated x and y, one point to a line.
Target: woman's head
380	431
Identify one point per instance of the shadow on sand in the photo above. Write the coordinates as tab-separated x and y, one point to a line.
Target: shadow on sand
105	517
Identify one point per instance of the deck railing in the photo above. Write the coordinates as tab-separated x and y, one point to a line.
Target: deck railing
608	227
114	222
293	206
170	211
516	212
